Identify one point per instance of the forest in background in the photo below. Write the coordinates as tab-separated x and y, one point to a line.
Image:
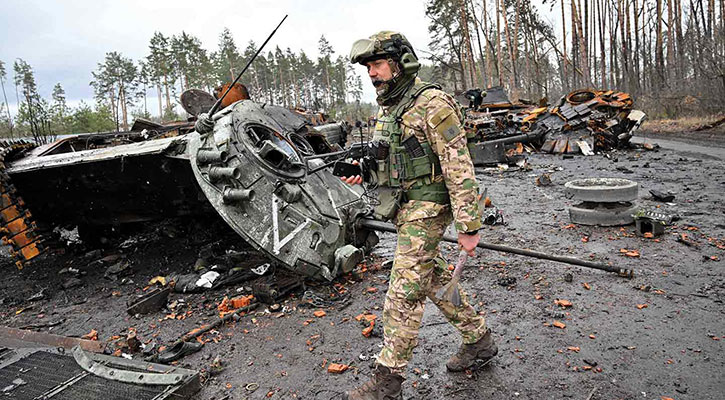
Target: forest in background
121	86
669	54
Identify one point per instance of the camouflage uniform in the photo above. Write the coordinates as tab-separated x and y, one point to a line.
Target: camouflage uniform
418	270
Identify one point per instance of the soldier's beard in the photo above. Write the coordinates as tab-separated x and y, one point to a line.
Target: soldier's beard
381	86
389	91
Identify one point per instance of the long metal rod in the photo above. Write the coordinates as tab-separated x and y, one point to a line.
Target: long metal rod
323	155
388	227
216	105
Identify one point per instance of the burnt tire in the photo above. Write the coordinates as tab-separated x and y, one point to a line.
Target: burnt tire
602	214
603	190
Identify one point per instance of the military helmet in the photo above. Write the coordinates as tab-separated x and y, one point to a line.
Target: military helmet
385	44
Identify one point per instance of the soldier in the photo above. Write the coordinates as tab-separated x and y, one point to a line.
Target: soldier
426	180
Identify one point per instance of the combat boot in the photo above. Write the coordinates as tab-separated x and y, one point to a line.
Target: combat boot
484	350
384	385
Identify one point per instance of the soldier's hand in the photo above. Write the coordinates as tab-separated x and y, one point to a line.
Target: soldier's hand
353	180
468	242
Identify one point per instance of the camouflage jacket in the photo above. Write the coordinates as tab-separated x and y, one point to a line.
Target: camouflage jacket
436	118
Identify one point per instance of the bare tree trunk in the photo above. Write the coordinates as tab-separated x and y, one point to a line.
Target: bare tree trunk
711	18
168	97
659	53
114	105
670	41
489	66
161	104
628	52
481	75
498	44
585	40
583	46
512	72
680	71
516	36
7	107
466	47
602	55
529	89
612	46
636	47
565	81
122	100
574	44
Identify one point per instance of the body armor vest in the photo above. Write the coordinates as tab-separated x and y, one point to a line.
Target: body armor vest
413	174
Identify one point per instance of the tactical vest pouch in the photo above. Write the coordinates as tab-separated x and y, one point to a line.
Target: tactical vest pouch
390	200
383	173
397	169
417	167
425	166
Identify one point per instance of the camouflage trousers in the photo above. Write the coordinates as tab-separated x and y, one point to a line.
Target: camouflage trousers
418	272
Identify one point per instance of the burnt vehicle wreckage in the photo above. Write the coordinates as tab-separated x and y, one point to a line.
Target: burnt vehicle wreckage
583	121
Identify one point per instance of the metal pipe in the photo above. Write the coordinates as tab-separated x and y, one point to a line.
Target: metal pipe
211	156
513	139
217	174
388	227
232	195
323	155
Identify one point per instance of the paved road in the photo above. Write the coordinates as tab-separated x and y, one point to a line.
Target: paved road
712	151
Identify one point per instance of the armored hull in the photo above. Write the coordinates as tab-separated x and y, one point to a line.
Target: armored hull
251	170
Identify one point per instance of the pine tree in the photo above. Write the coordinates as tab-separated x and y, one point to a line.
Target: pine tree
32	111
228	59
160	62
59	109
117	80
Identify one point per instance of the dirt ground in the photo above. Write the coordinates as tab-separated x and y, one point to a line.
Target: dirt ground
659	335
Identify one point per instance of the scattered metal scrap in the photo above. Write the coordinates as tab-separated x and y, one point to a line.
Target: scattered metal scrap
583	121
154	299
650	223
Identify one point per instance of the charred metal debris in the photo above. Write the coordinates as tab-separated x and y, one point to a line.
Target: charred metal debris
584	121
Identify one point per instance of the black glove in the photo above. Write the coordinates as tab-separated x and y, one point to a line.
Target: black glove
203	123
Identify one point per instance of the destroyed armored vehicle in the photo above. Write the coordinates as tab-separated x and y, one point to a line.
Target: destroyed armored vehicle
251	170
584	121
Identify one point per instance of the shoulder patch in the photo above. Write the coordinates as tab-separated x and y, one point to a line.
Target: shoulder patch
445	121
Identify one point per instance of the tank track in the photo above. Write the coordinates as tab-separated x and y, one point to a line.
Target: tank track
17	227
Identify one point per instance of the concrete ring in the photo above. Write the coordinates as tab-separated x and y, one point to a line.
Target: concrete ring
603	190
602	214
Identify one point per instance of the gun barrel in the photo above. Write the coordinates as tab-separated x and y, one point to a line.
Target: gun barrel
388	227
512	139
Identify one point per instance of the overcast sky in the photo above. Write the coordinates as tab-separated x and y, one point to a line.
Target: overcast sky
64	41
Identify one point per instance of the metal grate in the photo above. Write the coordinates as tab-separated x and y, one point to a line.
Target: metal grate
41	371
92	387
